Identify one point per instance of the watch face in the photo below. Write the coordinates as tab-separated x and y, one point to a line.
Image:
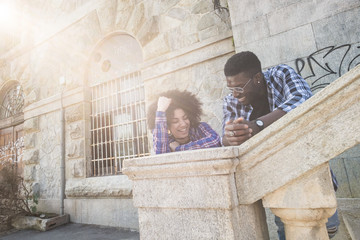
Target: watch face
259	123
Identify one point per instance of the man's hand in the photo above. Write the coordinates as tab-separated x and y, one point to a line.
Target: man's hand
163	104
236	132
174	145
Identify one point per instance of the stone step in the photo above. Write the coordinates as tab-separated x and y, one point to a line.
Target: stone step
352	223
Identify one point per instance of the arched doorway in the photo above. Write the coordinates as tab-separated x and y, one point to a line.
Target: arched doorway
11	124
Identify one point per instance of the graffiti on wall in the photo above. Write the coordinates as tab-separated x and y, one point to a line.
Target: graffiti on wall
322	67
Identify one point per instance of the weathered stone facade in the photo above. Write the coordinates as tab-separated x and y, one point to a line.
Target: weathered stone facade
184	45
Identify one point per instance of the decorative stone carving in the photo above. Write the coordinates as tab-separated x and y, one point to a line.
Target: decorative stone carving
74	113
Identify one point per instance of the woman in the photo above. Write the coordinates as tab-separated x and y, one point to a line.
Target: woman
175	123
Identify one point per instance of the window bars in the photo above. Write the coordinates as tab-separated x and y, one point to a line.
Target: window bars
118	124
13	102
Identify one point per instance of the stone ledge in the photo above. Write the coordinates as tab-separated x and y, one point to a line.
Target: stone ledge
99	187
37	223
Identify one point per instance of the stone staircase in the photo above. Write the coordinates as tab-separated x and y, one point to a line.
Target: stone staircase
349	213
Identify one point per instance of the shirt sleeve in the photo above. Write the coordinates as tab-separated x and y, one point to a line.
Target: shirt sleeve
295	89
210	139
160	134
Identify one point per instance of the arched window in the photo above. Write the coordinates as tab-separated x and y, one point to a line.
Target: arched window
13	102
118	117
11	124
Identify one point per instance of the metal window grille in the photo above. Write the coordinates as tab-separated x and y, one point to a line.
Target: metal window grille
118	124
13	102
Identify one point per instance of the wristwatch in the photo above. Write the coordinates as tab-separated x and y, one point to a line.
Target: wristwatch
259	123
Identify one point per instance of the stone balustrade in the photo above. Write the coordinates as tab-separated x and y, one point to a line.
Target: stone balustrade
220	193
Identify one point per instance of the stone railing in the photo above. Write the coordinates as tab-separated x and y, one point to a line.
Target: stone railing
220	193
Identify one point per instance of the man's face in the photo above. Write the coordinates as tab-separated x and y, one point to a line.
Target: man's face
245	92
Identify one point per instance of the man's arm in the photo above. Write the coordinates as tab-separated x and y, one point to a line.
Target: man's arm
267	119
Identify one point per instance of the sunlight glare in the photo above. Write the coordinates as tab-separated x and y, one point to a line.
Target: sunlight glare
7	15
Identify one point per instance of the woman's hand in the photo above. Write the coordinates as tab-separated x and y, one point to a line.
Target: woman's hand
174	145
163	104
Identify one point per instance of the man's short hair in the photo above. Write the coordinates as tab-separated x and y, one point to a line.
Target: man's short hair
246	62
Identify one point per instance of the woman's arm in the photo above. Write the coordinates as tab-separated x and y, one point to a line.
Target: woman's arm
207	138
160	134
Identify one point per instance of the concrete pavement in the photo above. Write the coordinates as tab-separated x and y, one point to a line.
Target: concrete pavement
73	231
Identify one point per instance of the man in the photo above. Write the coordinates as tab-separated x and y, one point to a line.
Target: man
258	99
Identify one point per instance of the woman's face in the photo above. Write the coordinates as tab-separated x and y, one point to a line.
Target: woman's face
179	126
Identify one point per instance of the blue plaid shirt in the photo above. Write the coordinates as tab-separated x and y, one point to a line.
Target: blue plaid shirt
202	136
286	90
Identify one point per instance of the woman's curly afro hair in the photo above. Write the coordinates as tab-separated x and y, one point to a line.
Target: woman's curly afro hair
184	100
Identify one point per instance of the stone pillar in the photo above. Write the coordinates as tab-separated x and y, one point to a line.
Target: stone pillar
305	204
192	195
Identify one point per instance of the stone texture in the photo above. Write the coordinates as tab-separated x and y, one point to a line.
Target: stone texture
109	186
37	223
271	50
75	148
31	125
293	15
31	156
201	7
115	212
30	140
325	30
246	33
74	113
76	130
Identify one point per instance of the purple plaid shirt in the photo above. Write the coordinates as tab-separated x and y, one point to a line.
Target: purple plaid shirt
202	136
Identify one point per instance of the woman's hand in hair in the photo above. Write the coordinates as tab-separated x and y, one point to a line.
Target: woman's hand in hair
163	104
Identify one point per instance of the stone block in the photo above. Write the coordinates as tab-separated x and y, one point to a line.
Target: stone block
30	140
305	12
186	224
99	187
74	113
206	21
157	47
191	192
75	148
31	156
271	50
75	168
31	125
40	224
137	19
246	33
76	130
342	28
114	212
202	7
178	13
208	33
149	31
